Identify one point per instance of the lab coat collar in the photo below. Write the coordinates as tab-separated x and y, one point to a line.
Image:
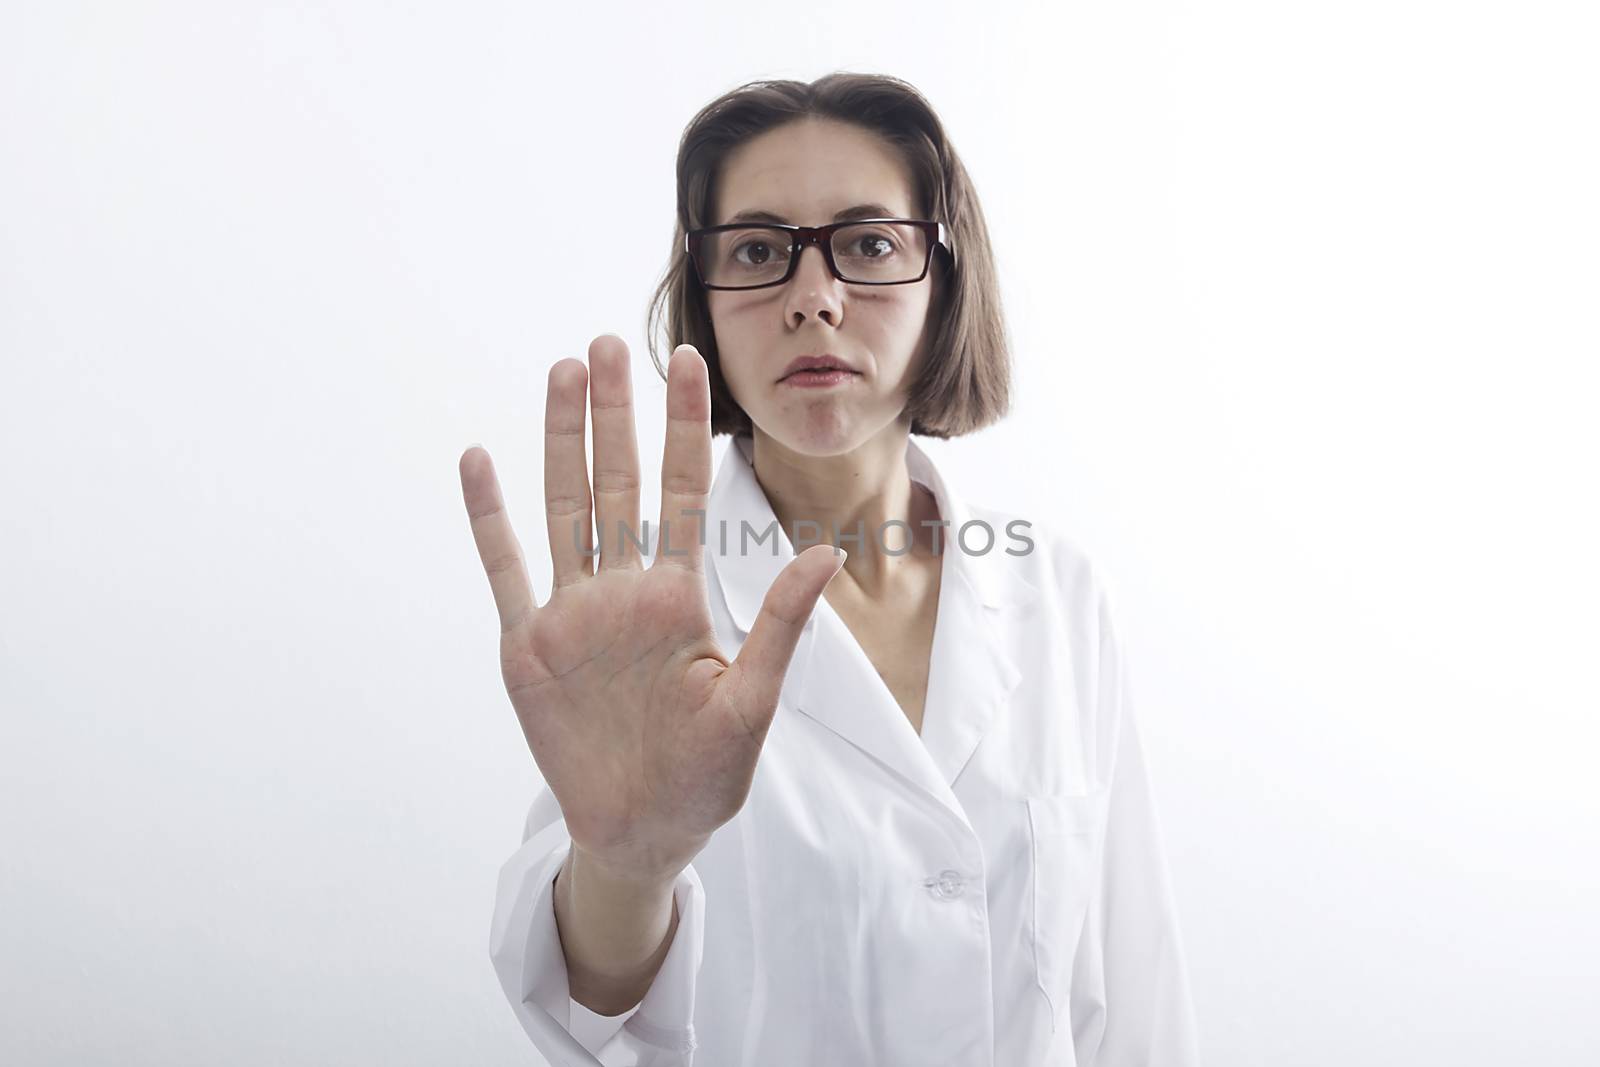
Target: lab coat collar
972	668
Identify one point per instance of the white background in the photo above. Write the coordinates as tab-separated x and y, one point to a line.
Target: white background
1304	308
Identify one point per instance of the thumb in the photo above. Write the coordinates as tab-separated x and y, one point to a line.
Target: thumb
764	659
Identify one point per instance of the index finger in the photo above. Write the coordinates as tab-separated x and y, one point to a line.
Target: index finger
497	544
686	463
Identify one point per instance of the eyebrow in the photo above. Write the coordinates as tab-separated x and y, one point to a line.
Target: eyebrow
860	211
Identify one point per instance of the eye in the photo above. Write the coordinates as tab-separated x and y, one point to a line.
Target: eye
876	245
759	258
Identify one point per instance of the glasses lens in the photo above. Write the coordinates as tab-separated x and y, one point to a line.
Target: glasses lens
753	255
880	252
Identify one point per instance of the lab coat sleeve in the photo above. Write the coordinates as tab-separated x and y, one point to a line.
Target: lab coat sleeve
525	947
1130	1002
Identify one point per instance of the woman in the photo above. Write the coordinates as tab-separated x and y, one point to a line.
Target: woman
880	802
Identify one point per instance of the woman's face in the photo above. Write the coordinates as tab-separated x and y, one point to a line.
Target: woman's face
805	173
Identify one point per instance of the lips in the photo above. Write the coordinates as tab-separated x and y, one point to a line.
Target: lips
823	362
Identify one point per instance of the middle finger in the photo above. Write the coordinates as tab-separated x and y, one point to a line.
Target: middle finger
616	453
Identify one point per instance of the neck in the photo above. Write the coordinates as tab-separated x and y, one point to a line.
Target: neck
849	494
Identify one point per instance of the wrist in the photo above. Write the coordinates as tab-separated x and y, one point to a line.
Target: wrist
597	877
635	870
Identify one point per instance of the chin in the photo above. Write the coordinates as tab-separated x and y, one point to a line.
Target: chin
819	430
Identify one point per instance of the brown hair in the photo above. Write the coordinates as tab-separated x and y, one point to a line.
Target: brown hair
965	382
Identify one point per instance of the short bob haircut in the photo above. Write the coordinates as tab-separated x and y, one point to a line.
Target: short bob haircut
965	381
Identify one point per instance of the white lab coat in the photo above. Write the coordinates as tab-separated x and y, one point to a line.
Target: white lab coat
991	892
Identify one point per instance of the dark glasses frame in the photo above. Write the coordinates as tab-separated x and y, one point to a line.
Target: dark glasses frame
821	236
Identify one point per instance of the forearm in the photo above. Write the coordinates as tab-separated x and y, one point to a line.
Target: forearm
614	933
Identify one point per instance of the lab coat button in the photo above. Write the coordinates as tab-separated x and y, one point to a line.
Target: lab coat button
947	885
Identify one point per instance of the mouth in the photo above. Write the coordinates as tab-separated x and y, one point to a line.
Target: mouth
822	369
818	379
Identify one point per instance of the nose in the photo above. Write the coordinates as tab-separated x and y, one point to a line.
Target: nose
813	291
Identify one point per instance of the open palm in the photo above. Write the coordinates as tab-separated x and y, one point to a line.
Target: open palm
646	733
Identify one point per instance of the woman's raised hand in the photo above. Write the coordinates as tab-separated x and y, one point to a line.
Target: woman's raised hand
645	732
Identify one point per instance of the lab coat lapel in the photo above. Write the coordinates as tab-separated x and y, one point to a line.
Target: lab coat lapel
983	600
972	670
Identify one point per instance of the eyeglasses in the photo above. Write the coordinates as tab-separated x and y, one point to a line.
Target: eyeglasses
861	252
